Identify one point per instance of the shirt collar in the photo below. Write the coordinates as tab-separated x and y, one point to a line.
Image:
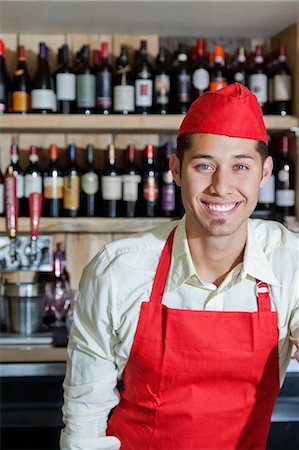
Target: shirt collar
255	262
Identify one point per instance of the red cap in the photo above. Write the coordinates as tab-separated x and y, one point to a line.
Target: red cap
2	48
231	111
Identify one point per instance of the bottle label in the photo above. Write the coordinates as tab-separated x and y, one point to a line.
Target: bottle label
267	192
282	88
86	91
90	183
130	187
258	85
111	187
150	190
144	93
53	187
43	99
66	86
283	176
20	101
285	197
168	197
217	84
103	89
162	89
201	79
1	198
124	98
33	183
239	77
71	192
184	87
20	186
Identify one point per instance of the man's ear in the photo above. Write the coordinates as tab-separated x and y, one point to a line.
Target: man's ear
175	167
267	170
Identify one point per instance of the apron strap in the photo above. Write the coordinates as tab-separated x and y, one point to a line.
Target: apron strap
162	270
263	296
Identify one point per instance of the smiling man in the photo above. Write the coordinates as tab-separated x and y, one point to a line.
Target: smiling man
197	316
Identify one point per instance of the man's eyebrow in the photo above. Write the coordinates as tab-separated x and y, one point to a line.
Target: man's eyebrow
206	156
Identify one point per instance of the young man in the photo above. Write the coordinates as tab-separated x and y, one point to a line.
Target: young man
197	316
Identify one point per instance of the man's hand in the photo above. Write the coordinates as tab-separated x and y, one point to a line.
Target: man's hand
295	341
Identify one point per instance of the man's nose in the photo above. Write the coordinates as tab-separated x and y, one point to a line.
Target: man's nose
222	182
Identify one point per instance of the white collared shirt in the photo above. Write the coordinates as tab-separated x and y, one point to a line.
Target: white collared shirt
119	279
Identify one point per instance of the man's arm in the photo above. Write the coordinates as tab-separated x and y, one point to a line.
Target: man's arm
91	377
295	340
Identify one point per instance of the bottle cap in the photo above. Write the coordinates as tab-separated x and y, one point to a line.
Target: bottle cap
149	151
53	151
33	150
2	48
21	51
104	50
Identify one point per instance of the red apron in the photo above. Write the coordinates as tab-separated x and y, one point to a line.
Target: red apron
198	379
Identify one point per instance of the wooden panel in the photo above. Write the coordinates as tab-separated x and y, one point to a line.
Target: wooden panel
26	353
76	41
31	42
133	43
11	42
80	249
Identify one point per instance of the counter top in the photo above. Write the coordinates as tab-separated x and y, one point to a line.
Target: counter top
31	353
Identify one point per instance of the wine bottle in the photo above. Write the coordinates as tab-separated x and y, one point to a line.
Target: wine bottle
200	73
239	72
15	169
131	179
71	185
86	84
1	194
284	180
150	184
33	177
161	84
167	184
282	88
266	200
258	80
181	90
65	84
4	81
97	59
43	97
111	186
53	185
21	85
218	73
143	82
90	186
123	90
104	83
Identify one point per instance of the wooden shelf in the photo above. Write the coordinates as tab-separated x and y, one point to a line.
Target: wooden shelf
26	353
88	225
80	123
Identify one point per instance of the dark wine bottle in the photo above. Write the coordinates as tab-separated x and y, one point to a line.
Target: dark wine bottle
239	72
86	84
1	193
284	180
43	97
33	177
71	185
167	184
123	90
181	84
111	186
90	186
143	82
104	83
21	85
161	84
200	73
65	84
282	85
218	72
258	79
131	179
150	184
53	185
4	81
15	169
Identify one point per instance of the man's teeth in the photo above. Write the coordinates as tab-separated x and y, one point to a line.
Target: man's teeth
215	207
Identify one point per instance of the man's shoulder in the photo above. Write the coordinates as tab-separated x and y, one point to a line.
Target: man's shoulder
274	235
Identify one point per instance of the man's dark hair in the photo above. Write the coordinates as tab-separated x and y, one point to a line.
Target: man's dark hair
184	143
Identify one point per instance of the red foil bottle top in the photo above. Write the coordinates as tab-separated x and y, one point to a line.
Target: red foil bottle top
53	152
131	152
200	47
104	50
97	57
285	144
149	151
33	150
2	48
14	150
21	51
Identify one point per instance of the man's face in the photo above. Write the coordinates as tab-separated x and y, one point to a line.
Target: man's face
220	179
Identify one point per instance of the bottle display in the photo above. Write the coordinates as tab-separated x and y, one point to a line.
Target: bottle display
65	83
282	85
124	90
85	84
239	71
71	185
284	179
161	84
53	185
167	185
4	81
104	82
258	80
21	84
200	73
33	177
130	184
181	90
143	82
90	186
218	73
150	184
111	186
43	97
15	169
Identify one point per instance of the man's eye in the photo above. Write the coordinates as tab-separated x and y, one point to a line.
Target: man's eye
204	167
240	167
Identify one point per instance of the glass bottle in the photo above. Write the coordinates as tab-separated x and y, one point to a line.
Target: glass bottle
111	186
43	97
53	185
150	184
130	184
90	186
71	185
21	84
104	82
143	82
123	90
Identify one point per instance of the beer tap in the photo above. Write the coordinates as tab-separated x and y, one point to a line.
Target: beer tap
35	207
11	211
